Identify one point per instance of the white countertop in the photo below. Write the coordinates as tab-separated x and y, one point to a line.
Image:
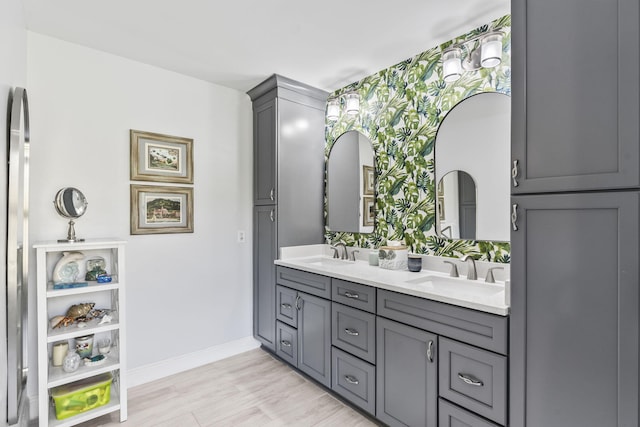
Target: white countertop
433	285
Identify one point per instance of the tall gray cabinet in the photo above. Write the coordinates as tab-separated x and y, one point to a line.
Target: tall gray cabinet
574	331
288	138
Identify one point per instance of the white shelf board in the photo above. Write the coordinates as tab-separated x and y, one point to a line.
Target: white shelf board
59	377
53	246
72	331
112	406
92	287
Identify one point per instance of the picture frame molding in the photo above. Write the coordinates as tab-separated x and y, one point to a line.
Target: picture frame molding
138	157
368	180
135	209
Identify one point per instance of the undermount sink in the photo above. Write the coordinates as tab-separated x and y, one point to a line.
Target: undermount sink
327	262
458	285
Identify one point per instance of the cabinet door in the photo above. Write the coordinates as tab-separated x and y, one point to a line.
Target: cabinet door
265	127
264	275
406	375
575	94
314	338
574	301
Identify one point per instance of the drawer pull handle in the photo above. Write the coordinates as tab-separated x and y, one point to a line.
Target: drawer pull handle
352	296
286	343
471	380
352	332
430	351
351	379
272	194
285	306
514	173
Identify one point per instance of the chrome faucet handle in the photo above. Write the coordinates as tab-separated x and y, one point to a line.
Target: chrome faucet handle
335	251
343	254
472	273
490	278
353	254
454	269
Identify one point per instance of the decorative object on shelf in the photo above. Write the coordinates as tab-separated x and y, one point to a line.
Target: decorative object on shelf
81	396
482	51
66	269
414	263
161	158
393	257
84	346
95	360
105	319
70	203
74	313
104	346
160	210
71	361
70	285
60	350
96	266
103	278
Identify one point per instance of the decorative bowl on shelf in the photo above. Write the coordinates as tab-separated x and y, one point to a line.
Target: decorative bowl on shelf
95	360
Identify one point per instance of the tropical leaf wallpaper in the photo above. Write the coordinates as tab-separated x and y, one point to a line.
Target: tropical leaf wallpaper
401	109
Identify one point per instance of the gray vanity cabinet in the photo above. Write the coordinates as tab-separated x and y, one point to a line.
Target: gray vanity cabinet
264	276
575	310
288	139
407	375
314	338
575	94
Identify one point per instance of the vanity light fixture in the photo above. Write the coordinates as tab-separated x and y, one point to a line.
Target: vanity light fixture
352	106
482	51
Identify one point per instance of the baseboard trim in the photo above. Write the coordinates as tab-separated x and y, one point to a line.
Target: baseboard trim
164	368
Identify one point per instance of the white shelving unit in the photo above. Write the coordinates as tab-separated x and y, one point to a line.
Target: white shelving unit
54	302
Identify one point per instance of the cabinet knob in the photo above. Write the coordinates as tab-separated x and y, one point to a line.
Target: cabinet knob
470	379
351	332
351	379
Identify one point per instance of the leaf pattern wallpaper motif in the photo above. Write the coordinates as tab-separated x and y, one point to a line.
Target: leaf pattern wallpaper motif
401	108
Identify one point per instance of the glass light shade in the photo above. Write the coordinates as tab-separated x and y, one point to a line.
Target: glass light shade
353	103
491	50
451	65
333	109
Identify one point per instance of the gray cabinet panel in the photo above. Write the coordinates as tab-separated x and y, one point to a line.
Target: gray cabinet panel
287	343
575	94
473	378
475	327
406	380
574	295
264	152
314	338
354	331
310	283
354	295
451	415
354	379
264	275
286	310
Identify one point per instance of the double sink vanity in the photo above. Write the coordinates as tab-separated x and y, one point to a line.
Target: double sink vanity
416	349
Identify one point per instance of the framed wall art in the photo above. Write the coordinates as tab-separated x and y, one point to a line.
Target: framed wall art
368	211
161	158
161	210
367	180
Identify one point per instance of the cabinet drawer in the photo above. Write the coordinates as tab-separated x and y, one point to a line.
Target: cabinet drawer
475	327
353	379
311	283
287	343
354	295
354	331
451	415
286	310
473	378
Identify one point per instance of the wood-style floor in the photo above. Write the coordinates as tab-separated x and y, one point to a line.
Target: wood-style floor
250	389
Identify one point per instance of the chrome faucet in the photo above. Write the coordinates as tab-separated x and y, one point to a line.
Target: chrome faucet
353	254
472	274
343	254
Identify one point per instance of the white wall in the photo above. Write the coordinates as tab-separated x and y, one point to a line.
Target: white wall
13	72
185	292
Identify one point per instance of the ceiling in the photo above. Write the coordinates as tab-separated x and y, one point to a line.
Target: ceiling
327	44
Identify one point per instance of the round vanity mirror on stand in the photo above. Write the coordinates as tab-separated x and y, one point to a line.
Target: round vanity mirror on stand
70	203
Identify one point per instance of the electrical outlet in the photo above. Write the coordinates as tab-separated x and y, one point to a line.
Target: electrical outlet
241	236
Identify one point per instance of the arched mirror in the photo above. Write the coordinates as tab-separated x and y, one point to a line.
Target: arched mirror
70	203
351	198
472	153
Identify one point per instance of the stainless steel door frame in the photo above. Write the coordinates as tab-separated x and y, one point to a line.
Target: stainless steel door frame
17	253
